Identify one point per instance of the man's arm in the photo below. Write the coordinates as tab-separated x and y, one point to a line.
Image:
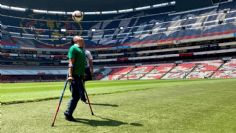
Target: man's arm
70	69
90	61
91	66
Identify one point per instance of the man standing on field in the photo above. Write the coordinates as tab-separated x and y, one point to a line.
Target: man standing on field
89	66
76	72
89	63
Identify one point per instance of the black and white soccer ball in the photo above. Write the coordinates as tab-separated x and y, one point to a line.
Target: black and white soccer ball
77	16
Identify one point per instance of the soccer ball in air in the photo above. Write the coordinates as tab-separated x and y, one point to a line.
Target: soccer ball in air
77	16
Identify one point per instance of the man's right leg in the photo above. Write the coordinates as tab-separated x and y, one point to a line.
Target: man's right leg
74	100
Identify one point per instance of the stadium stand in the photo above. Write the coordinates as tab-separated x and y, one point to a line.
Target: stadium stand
205	69
118	73
164	27
228	70
180	71
159	71
156	40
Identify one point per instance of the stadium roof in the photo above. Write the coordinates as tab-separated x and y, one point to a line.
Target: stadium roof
102	5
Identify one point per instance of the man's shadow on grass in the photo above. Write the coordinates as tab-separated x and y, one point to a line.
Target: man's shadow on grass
104	122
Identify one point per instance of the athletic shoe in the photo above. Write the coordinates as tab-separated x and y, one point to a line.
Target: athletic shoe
69	117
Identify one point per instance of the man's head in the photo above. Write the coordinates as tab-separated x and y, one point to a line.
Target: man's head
79	40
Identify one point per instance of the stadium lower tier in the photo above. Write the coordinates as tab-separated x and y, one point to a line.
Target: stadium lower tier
186	70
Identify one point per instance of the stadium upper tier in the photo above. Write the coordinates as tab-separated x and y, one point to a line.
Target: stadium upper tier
118	30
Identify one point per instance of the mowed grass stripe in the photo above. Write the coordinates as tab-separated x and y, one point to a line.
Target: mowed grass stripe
90	83
97	87
52	90
21	87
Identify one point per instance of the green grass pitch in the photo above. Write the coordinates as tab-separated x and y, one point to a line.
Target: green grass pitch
145	106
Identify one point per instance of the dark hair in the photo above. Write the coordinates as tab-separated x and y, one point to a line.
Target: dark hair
72	42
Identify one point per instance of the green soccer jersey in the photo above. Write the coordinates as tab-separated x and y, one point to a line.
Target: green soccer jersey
78	55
